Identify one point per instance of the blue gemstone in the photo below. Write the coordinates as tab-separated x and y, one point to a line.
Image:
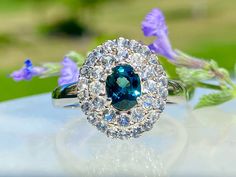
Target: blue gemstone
108	117
123	87
123	121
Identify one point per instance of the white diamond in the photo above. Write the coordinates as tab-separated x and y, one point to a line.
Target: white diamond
163	81
153	116
148	102
86	107
137	60
97	88
109	115
109	45
101	126
163	92
145	50
82	83
98	103
85	70
153	60
134	45
123	120
159	70
147	126
150	86
92	118
98	73
90	59
121	42
98	52
83	95
136	132
108	61
148	72
160	104
112	133
137	114
122	54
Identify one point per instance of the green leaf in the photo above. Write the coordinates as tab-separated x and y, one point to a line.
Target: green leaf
213	64
192	76
169	67
215	99
190	92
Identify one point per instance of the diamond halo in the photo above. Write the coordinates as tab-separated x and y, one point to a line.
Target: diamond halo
92	93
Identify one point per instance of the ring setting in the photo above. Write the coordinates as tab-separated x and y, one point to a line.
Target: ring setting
122	88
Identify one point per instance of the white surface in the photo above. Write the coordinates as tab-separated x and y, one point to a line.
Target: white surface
39	140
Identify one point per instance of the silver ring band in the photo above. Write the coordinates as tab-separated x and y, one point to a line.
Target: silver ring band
66	95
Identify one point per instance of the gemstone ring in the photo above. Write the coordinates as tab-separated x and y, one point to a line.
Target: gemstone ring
122	89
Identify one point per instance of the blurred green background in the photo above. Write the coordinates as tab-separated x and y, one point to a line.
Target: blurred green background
46	30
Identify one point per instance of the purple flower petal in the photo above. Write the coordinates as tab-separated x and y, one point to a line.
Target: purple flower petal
27	72
163	47
154	24
69	72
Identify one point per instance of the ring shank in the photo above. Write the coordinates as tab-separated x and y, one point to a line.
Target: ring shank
66	95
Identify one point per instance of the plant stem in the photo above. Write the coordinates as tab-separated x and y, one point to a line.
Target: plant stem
208	86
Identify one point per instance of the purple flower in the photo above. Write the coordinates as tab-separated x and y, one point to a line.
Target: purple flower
154	24
163	47
69	72
27	72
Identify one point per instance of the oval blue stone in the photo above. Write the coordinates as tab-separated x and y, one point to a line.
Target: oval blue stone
123	87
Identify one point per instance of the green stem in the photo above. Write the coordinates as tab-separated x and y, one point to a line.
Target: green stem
231	83
208	86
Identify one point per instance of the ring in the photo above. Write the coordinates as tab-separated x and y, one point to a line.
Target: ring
122	89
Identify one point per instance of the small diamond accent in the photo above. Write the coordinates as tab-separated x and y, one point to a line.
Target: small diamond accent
163	81
145	50
109	115
153	116
122	54
92	118
160	104
123	120
108	61
86	107
83	83
101	127
153	60
137	60
138	114
121	42
97	72
82	95
163	92
150	86
148	73
148	102
98	103
97	88
85	70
